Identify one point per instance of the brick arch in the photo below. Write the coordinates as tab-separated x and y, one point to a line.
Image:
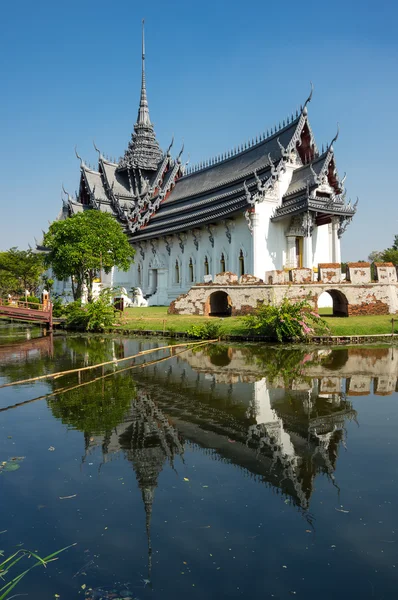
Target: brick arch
340	302
218	304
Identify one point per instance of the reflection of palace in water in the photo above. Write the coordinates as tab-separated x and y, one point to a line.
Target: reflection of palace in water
282	431
285	433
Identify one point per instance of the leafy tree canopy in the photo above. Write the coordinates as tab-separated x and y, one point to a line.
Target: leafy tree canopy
20	270
375	256
83	244
390	255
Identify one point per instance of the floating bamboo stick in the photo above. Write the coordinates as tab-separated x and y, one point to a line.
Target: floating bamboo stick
74	387
109	362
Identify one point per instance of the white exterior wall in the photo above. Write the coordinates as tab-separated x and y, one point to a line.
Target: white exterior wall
322	248
158	267
269	239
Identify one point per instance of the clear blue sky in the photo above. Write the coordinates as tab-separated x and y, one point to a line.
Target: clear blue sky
218	72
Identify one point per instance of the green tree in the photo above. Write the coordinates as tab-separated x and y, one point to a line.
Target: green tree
375	256
79	247
20	270
390	255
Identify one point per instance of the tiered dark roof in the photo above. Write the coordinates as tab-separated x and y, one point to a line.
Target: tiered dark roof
152	194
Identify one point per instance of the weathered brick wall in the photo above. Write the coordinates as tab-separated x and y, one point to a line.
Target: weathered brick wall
301	275
358	385
226	278
358	272
386	273
250	279
357	299
329	272
276	277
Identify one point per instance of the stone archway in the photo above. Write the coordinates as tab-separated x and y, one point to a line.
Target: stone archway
219	304
340	303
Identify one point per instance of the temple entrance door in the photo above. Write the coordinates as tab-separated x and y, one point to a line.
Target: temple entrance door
153	280
299	251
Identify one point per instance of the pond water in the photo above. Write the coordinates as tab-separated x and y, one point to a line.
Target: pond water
221	472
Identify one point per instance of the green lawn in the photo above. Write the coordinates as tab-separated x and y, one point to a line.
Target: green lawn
369	325
155	318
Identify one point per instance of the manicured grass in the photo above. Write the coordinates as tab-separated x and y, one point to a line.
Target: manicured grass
366	325
155	318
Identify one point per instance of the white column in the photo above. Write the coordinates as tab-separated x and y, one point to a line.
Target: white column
336	240
258	247
307	251
291	252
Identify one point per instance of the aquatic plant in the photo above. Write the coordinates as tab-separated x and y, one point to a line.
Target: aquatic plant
9	563
290	321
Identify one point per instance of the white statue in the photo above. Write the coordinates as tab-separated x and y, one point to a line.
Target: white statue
138	298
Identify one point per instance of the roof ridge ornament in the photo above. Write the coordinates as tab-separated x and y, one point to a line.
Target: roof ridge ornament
181	151
315	175
282	148
171	145
336	137
79	157
66	193
96	149
304	109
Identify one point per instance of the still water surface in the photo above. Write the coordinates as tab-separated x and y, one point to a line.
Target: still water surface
225	472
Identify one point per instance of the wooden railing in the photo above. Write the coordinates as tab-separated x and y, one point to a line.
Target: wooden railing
23	304
27	311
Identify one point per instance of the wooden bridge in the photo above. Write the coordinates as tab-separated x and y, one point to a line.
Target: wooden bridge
28	312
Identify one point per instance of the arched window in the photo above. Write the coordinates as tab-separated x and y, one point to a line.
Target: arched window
241	263
139	275
177	272
191	273
222	263
206	264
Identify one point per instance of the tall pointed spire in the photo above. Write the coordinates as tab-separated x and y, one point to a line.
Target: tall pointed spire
143	110
143	151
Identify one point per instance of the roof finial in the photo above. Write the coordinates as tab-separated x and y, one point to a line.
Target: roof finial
96	149
309	97
171	144
65	192
79	157
335	137
143	112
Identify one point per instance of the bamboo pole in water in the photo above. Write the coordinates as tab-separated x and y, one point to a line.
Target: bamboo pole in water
74	387
109	362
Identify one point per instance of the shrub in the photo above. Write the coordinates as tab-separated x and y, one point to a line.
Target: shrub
295	321
31	299
210	330
95	316
59	308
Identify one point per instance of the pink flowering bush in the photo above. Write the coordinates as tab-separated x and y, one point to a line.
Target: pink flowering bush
291	321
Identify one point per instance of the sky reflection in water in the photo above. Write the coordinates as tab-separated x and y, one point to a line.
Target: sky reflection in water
229	471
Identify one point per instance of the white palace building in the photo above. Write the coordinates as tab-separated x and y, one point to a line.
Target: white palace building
276	202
